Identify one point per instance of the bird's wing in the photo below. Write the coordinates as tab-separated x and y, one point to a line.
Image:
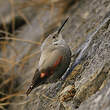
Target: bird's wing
48	60
34	82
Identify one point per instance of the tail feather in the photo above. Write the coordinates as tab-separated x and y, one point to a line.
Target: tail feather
34	82
29	90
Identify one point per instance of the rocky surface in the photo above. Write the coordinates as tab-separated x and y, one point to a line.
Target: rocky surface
88	30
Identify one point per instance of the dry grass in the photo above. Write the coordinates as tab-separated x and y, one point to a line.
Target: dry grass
8	89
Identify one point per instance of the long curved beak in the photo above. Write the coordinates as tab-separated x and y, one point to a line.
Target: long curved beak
62	25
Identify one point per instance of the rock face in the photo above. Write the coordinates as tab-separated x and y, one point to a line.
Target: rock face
100	100
87	33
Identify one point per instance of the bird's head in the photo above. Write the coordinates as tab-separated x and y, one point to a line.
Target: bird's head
54	37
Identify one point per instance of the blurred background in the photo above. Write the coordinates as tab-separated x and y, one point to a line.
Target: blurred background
24	24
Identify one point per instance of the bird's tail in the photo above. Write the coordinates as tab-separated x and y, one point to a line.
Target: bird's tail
35	82
29	89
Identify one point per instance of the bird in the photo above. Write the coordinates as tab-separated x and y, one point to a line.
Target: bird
54	60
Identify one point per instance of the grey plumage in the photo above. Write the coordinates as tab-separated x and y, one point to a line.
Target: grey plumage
54	61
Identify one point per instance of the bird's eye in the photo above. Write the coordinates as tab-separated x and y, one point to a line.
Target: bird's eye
53	37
